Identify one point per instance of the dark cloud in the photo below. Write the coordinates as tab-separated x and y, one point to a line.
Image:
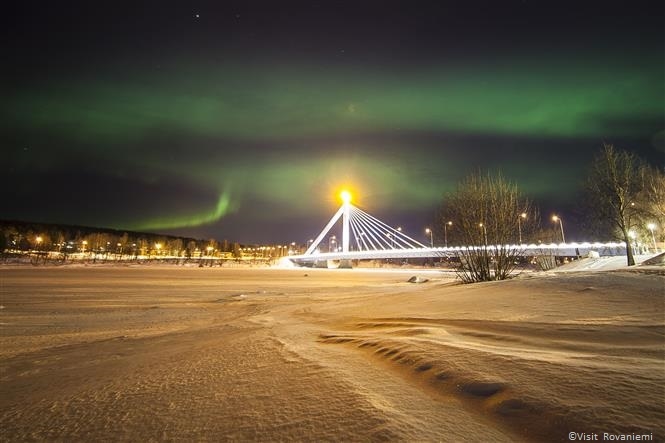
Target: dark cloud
79	196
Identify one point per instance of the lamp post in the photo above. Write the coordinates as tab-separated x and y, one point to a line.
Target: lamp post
332	240
651	227
556	218
632	235
445	232
519	224
484	232
431	237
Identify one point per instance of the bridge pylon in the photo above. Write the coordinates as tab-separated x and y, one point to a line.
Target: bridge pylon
364	232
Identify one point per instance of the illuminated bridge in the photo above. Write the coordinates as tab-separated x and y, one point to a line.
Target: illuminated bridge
365	237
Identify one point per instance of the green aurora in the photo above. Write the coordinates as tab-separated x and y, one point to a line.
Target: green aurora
538	97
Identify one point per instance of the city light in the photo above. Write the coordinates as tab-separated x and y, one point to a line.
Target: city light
484	232
651	227
556	218
445	232
519	225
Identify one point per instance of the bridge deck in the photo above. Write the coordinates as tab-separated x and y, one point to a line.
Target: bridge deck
558	250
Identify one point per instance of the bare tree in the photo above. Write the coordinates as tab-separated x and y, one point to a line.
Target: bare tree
487	212
652	196
616	187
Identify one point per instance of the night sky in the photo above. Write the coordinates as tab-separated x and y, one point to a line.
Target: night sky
243	120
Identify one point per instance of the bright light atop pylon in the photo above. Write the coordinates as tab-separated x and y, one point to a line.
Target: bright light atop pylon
346	196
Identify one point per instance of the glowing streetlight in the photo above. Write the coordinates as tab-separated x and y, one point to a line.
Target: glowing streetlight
651	227
556	218
445	232
484	231
632	235
39	240
431	237
332	240
519	224
392	241
84	243
158	246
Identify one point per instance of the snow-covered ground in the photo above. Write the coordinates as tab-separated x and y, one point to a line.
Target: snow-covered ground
642	262
213	354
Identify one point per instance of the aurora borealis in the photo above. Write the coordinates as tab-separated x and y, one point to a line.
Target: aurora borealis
241	120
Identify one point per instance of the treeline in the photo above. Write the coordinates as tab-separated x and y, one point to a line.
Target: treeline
19	237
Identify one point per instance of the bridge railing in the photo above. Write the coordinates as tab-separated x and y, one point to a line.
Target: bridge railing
553	249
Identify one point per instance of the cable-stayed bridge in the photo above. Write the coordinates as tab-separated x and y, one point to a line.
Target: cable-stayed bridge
366	237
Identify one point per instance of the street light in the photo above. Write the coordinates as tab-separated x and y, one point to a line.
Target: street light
519	224
445	232
484	232
632	235
556	218
331	240
651	227
84	243
431	237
